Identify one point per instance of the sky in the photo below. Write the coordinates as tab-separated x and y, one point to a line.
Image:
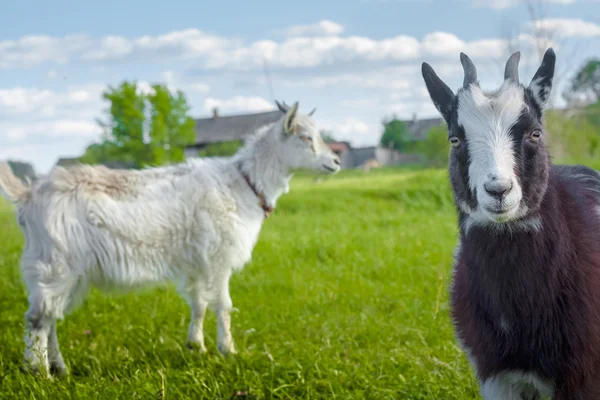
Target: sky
356	61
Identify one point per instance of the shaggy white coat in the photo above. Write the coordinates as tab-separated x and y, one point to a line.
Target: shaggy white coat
193	224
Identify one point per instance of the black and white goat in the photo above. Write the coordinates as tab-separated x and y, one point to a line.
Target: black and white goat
525	296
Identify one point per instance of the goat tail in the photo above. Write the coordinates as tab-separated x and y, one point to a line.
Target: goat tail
10	186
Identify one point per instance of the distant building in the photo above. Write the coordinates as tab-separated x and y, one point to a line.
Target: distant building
218	129
66	161
360	155
418	128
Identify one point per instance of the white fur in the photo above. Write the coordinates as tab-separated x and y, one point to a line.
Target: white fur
478	217
541	94
516	385
487	120
193	224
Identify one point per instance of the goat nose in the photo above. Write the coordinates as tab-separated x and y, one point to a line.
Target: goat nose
498	187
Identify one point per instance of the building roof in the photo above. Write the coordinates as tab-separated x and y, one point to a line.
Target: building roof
419	127
339	146
217	128
66	161
231	127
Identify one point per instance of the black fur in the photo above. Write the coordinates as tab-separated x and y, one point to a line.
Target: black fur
528	300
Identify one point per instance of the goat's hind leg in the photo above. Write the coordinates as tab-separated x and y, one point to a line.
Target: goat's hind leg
55	359
224	308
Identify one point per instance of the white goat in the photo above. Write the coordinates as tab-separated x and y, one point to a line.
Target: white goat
193	223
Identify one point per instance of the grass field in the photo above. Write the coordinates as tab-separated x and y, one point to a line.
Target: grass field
346	298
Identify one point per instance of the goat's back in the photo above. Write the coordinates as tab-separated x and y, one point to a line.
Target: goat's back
131	227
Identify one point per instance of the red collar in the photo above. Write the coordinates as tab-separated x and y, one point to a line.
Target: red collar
263	202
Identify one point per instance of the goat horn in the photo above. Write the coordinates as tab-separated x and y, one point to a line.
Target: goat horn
283	108
470	70
511	71
312	112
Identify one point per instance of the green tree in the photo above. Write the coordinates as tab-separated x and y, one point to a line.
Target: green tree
395	135
125	139
435	149
572	139
586	82
171	129
327	136
222	149
143	129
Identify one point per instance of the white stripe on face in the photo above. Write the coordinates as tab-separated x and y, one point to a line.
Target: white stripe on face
487	121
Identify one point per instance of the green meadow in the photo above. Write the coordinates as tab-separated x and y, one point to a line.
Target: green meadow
346	298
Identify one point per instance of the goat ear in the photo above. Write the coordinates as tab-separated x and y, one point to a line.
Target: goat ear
441	95
541	83
288	120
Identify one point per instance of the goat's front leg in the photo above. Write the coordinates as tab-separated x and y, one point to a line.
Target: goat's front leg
224	307
38	328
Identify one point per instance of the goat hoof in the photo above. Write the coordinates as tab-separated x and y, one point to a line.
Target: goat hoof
35	371
227	350
58	370
196	347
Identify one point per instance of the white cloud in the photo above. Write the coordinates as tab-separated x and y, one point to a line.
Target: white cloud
442	44
36	49
302	50
144	87
188	43
198	87
565	27
39	124
503	4
306	52
364	102
407	109
38	103
238	104
44	155
56	128
322	28
351	129
399	78
351	126
210	51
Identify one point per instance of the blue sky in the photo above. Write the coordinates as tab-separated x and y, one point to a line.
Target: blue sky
357	61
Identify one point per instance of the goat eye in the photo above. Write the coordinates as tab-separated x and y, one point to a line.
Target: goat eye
307	138
535	135
454	141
